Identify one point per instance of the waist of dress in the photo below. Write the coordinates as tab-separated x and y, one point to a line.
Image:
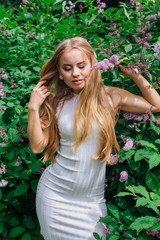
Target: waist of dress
73	184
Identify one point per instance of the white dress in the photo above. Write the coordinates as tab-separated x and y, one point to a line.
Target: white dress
70	193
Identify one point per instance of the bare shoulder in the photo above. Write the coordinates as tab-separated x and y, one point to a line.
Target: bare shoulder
115	95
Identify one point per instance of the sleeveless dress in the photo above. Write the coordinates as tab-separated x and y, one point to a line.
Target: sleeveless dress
70	193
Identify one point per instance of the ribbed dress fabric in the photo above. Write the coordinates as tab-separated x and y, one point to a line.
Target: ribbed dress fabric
70	193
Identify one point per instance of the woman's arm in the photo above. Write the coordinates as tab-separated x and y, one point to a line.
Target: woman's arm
38	138
129	102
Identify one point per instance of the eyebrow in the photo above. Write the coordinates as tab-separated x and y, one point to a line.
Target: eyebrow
71	65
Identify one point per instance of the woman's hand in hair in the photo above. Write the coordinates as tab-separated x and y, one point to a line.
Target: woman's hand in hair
38	95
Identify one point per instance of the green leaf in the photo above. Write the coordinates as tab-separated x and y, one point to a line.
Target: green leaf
140	189
122	194
148	145
96	235
114	237
1	227
126	154
128	48
20	190
28	222
34	184
107	219
140	154
36	166
37	69
157	141
113	210
141	202
16	231
142	223
154	160
126	13
12	134
26	236
152	181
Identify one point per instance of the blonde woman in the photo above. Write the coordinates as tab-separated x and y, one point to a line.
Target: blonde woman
72	113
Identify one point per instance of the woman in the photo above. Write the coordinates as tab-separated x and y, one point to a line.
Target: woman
77	123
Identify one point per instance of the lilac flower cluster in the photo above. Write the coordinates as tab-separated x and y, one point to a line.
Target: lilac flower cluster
18	162
41	170
137	4
128	143
114	31
13	85
69	8
151	17
123	176
3	76
21	130
141	117
107	65
143	37
157	50
114	159
106	231
4	32
2	133
24	3
101	6
2	169
3	183
155	233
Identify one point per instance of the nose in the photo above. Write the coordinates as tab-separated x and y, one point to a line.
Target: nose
75	72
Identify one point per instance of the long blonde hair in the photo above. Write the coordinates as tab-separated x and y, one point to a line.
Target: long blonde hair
96	107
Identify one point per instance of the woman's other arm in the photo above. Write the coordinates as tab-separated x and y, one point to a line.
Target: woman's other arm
129	102
38	138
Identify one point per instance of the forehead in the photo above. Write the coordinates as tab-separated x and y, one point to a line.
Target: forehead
73	56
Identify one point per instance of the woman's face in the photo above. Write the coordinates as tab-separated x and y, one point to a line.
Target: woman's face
75	68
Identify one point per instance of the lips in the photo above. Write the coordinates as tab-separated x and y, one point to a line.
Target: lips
77	81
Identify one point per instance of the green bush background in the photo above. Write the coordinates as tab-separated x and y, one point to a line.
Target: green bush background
29	35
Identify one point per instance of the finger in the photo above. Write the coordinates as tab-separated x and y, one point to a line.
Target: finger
41	83
122	60
42	88
44	91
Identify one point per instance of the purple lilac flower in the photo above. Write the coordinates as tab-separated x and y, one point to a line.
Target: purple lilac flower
41	170
101	6
158	219
158	14
114	158
155	233
2	169
3	183
2	133
157	47
18	163
114	59
13	84
2	108
123	176
106	231
4	76
128	145
105	65
24	2
151	17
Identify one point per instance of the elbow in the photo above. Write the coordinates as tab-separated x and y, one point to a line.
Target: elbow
155	109
36	150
